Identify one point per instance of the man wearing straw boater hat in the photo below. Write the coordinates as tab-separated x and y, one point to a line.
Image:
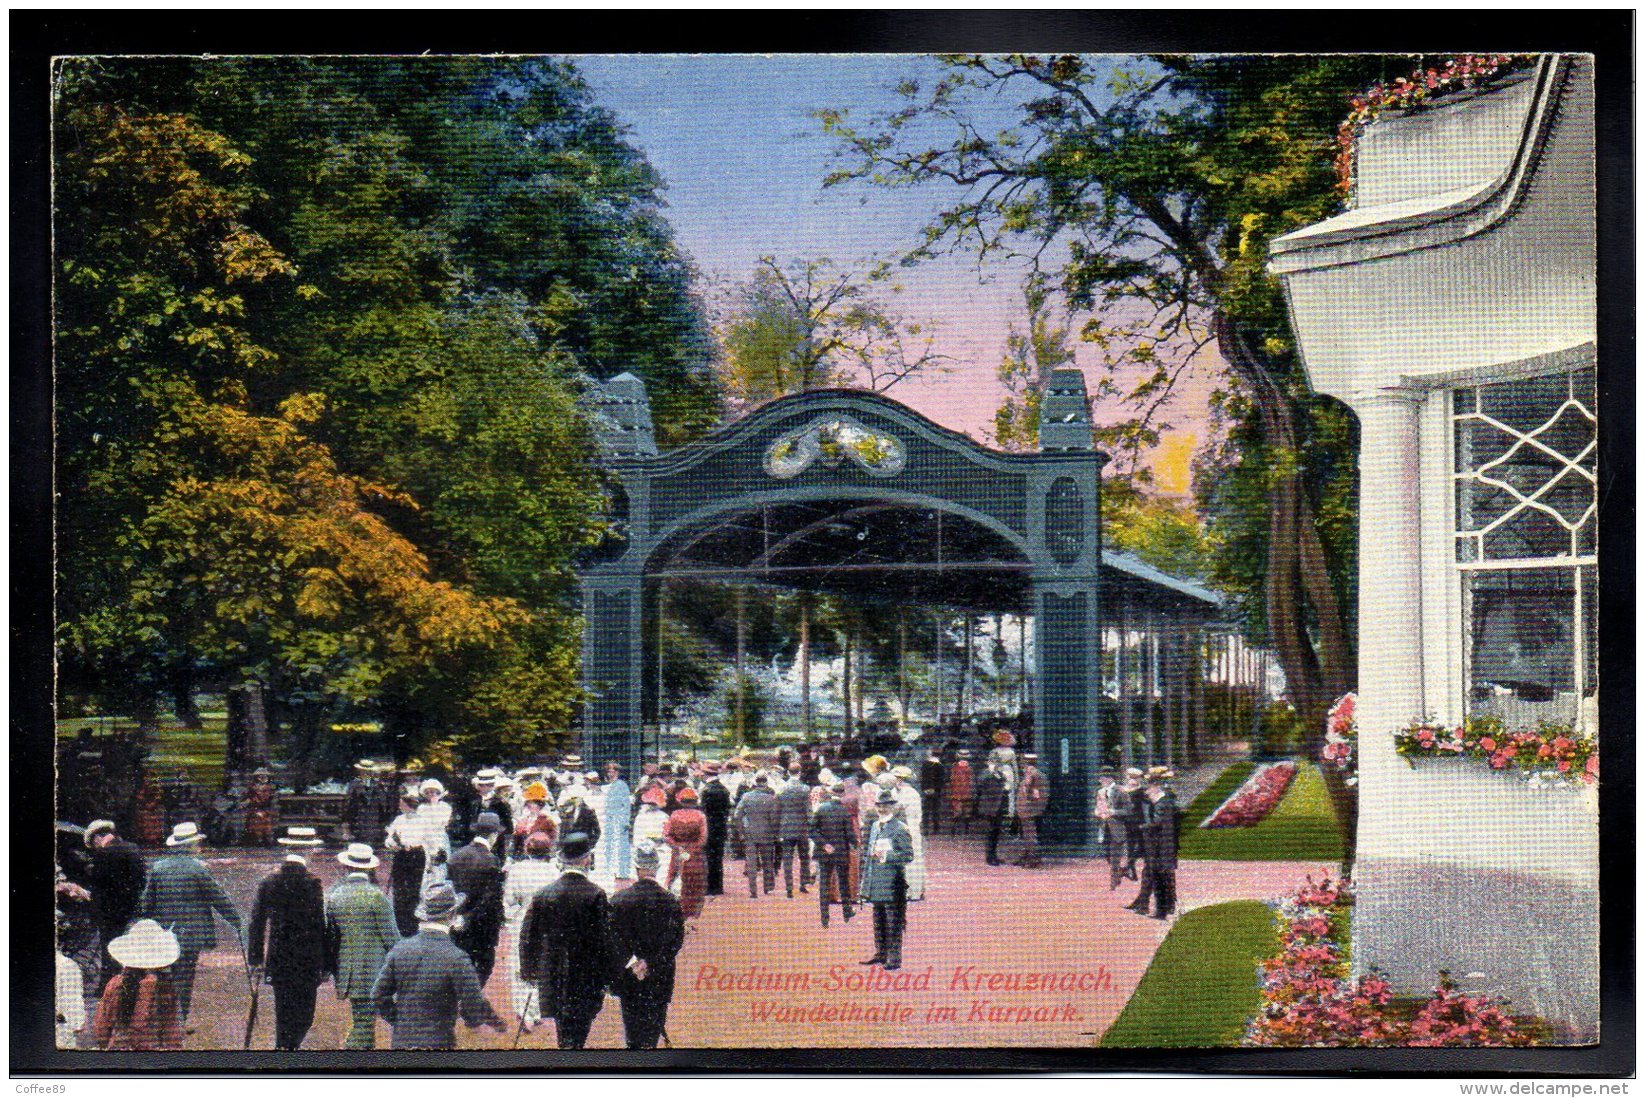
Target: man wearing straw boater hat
181	896
118	873
287	941
427	983
360	930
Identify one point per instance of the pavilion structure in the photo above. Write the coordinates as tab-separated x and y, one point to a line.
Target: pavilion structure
853	494
1454	309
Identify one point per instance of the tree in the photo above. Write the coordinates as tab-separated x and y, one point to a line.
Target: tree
812	324
1154	200
438	250
1031	354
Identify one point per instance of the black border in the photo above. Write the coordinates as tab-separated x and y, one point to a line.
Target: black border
36	36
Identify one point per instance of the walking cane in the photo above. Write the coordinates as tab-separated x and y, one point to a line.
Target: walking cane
519	1031
255	986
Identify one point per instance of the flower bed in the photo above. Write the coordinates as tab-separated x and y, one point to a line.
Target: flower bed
1550	754
1341	749
1309	1000
1410	92
1251	802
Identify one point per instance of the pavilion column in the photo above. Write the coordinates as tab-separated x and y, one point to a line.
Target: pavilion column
1149	667
1067	699
1391	657
613	651
805	666
1122	672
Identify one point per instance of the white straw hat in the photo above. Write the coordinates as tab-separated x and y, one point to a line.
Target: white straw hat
183	834
359	856
145	944
300	836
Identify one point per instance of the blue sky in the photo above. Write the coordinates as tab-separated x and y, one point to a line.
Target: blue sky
744	161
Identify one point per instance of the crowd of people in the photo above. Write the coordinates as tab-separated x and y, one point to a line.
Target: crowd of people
580	882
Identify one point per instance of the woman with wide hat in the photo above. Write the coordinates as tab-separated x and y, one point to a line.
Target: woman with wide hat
139	1010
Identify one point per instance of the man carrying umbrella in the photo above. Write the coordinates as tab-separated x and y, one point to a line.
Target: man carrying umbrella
287	941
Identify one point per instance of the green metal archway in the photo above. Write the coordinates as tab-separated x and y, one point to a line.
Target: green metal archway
846	491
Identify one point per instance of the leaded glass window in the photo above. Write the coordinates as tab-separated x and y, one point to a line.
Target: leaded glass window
1526	511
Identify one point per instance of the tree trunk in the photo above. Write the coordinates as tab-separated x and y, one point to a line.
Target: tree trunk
739	719
845	679
182	701
1297	579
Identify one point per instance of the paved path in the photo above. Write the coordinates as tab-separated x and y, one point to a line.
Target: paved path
763	973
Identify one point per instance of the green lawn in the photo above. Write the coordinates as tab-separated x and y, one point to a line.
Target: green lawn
1201	988
170	747
1302	827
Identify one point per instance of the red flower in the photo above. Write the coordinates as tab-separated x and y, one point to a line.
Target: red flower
1487	743
1564	765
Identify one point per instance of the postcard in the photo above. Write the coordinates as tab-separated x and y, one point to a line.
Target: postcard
695	553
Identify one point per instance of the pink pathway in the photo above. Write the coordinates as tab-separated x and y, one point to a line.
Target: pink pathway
763	973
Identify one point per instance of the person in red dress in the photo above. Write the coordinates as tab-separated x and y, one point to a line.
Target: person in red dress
686	832
151	813
960	794
139	1009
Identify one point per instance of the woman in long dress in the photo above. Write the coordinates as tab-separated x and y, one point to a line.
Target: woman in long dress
685	833
524	879
912	810
651	822
405	871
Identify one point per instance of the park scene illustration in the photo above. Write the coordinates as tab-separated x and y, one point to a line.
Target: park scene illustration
721	552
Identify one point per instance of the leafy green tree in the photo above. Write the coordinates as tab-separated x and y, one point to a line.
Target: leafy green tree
1031	353
812	324
1151	189
440	249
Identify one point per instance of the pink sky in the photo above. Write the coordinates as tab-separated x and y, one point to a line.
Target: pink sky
743	160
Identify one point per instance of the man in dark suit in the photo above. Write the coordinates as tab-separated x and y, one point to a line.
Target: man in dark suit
287	940
832	836
565	944
1159	838
716	806
991	806
117	875
794	829
477	874
363	809
759	817
1128	810
427	982
647	931
931	790
887	849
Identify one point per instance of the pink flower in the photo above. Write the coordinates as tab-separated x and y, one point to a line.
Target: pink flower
1487	743
1564	765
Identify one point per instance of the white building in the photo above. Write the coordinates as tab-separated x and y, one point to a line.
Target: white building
1454	311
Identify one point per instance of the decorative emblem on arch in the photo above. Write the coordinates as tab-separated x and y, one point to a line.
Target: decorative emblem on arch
832	440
